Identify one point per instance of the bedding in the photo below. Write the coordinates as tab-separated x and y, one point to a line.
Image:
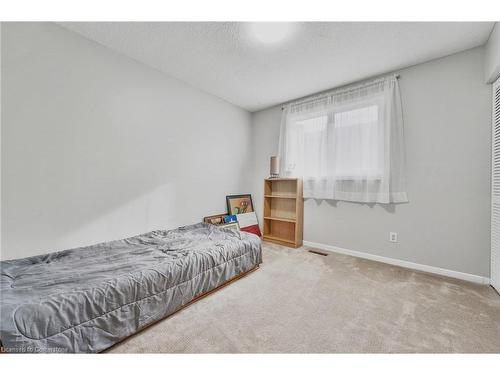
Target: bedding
87	299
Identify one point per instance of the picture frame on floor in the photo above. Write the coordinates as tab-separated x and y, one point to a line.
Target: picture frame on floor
233	226
239	204
215	219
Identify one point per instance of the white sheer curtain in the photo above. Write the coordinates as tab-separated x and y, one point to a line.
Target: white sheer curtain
347	144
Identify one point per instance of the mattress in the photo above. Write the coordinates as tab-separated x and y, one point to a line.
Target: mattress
89	298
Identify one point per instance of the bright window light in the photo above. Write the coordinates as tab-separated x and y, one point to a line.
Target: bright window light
270	32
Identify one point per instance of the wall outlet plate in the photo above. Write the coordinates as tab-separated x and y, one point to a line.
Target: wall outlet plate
393	237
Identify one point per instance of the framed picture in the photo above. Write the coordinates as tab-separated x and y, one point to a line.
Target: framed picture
215	219
239	204
232	226
248	223
230	219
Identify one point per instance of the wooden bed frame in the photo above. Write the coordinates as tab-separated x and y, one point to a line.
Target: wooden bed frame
195	299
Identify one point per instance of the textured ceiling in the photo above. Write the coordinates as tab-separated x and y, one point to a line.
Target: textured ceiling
223	59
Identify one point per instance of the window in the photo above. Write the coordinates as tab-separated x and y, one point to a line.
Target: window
358	144
347	145
308	140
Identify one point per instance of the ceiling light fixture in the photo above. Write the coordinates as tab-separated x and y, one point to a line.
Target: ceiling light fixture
270	32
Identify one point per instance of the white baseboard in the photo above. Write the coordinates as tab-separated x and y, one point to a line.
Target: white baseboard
402	263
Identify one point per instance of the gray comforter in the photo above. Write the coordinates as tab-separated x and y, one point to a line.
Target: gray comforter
87	299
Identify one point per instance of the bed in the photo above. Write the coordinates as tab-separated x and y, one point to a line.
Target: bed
90	298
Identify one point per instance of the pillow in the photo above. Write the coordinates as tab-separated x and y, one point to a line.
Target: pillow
248	223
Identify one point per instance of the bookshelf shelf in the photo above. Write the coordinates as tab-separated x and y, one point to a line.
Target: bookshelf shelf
283	211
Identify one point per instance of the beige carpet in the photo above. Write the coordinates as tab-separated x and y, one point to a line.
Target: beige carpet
298	302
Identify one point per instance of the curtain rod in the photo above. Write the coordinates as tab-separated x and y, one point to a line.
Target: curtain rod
316	96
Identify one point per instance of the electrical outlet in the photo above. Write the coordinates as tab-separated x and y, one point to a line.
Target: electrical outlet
393	237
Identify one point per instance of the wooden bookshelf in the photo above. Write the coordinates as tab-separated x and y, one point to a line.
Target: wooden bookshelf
283	211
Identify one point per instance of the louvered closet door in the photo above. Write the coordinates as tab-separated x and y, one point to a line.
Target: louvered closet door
495	189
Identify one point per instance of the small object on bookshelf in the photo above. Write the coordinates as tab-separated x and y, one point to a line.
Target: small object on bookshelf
283	211
274	167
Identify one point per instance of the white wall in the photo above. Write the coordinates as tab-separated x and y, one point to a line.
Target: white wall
0	138
96	146
492	56
447	133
